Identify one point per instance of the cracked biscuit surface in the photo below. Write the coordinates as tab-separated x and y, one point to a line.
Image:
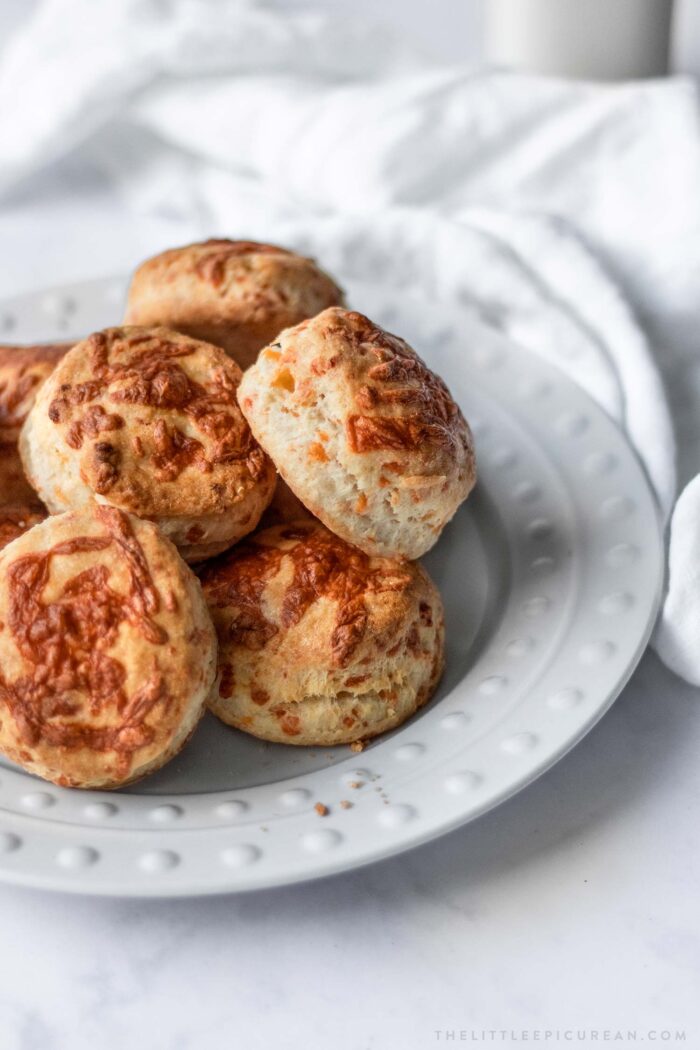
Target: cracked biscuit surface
107	653
23	369
236	294
362	431
319	643
147	420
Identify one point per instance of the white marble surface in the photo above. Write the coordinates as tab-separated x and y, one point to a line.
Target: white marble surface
573	907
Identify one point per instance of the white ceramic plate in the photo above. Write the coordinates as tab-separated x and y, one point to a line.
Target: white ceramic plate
551	577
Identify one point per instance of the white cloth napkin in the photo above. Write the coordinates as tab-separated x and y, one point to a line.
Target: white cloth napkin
566	214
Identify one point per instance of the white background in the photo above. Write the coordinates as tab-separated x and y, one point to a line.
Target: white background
452	29
446	29
572	907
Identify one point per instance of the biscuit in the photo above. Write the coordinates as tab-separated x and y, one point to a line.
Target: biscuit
22	371
284	507
17	518
320	643
366	436
107	653
236	294
147	420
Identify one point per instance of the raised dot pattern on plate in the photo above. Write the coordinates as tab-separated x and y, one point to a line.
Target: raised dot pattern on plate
572	424
58	305
518	647
622	554
396	815
503	458
294	797
100	810
409	752
519	743
9	842
540	529
321	841
240	856
455	720
356	776
615	603
459	783
77	857
600	463
565	699
536	606
231	809
596	652
159	860
165	814
495	683
38	800
617	508
527	492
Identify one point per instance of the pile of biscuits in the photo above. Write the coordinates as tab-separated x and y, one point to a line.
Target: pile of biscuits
301	490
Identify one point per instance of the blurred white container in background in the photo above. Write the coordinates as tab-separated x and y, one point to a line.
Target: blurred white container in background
585	39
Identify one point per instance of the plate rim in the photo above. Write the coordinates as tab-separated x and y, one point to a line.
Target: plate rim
166	887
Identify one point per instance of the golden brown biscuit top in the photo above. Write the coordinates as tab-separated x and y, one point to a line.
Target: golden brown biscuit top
154	417
268	585
225	266
392	402
210	259
79	599
17	518
22	371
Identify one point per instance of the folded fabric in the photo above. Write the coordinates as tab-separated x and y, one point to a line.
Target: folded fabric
531	201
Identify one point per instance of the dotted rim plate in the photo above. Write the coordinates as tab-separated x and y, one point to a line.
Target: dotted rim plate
551	576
